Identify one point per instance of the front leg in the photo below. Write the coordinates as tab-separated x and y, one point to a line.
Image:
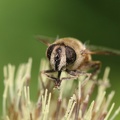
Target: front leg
75	74
57	80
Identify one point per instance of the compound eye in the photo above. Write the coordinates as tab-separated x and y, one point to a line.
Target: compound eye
70	55
49	50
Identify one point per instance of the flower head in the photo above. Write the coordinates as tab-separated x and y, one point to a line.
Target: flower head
71	101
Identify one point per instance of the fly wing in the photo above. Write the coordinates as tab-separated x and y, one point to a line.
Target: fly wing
44	39
102	50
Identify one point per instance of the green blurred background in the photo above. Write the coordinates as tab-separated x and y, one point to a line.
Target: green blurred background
21	20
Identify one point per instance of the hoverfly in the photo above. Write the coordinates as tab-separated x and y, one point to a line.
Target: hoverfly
72	56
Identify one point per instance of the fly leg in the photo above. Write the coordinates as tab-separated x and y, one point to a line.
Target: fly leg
93	67
57	80
76	73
